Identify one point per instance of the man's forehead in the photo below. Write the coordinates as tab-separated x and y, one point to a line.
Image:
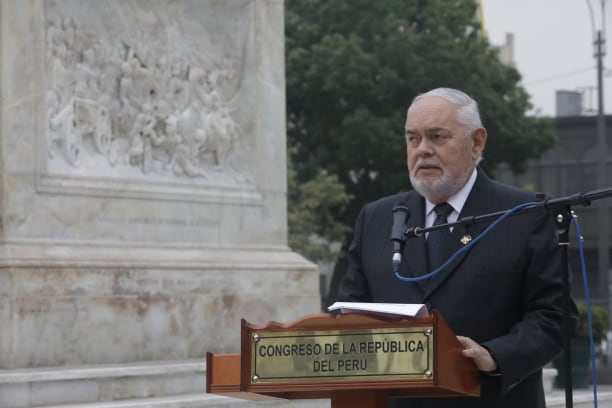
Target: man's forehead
431	103
430	112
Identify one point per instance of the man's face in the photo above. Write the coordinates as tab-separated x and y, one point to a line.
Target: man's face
441	155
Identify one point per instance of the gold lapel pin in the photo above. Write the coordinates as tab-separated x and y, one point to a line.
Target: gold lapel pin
466	239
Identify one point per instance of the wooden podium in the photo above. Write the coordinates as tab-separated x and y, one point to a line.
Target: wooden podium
355	359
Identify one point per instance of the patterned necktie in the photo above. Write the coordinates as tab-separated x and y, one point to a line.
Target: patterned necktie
439	240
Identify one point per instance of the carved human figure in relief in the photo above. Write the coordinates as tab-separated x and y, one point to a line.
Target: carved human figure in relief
177	93
86	85
143	131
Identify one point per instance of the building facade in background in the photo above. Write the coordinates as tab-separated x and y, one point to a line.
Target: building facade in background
571	167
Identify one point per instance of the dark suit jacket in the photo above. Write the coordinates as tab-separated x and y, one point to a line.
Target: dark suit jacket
505	293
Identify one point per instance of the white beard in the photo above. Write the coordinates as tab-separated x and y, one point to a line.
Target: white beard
441	188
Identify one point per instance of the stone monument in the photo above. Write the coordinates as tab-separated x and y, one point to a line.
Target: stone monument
143	194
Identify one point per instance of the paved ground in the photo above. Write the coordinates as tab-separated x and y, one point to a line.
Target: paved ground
584	397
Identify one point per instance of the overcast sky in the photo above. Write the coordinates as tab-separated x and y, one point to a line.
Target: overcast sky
553	46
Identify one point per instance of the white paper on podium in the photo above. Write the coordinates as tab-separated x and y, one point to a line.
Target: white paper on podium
385	309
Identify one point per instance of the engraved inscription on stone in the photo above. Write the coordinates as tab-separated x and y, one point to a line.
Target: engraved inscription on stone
154	93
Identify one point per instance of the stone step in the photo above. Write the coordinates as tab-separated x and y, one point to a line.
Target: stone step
58	386
178	401
199	401
154	384
103	370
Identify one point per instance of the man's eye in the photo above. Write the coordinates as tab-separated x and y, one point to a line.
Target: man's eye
440	138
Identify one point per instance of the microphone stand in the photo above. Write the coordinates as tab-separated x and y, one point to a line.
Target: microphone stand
562	212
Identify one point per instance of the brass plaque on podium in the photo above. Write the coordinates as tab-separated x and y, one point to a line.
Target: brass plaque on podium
294	356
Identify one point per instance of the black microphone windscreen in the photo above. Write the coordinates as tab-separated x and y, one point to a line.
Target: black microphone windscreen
401	213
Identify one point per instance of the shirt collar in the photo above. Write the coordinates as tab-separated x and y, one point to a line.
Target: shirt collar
457	200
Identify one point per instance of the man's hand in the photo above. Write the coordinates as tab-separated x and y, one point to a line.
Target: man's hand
479	354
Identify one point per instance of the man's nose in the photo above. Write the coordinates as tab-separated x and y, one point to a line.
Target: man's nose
425	147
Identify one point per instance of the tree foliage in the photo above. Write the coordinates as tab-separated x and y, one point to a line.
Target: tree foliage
352	69
313	224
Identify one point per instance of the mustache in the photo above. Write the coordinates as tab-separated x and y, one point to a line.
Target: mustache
427	163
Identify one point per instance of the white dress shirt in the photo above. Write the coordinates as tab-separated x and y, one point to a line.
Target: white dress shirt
457	201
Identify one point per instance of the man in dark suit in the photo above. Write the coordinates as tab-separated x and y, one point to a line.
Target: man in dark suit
502	298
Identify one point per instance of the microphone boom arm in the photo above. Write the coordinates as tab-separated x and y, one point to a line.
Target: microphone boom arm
583	199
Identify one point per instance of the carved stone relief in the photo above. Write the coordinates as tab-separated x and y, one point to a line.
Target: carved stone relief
116	103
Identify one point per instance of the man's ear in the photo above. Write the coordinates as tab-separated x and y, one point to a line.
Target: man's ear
479	139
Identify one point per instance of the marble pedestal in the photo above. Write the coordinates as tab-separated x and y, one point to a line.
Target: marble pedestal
142	192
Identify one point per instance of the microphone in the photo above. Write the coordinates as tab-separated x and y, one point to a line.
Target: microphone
400	216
